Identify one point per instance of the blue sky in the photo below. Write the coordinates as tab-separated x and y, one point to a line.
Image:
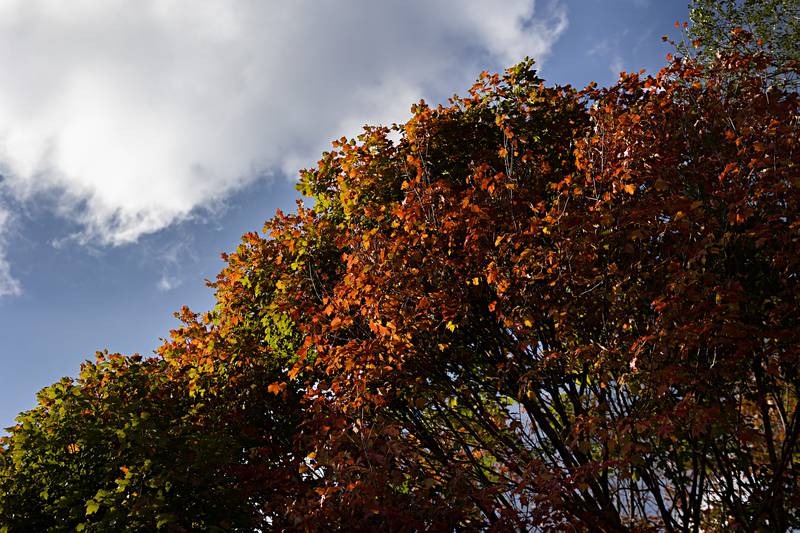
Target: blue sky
138	140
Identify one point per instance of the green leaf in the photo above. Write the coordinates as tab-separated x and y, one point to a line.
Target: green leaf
164	519
92	507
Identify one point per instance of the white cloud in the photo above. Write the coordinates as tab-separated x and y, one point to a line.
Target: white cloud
135	114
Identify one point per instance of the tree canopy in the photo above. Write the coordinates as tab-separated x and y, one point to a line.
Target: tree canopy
533	308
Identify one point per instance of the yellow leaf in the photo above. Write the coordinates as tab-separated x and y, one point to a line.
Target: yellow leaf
629	188
450	326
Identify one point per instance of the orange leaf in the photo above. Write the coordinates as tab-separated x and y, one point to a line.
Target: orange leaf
276	388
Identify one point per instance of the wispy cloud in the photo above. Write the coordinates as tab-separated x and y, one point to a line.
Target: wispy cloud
175	258
610	50
9	286
167	282
133	115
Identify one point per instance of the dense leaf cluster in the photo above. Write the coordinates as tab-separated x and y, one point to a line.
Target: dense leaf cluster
534	308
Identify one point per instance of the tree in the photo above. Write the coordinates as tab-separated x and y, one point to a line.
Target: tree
773	24
540	308
558	317
181	443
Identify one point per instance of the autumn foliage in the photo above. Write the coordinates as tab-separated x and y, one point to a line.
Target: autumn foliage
539	309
